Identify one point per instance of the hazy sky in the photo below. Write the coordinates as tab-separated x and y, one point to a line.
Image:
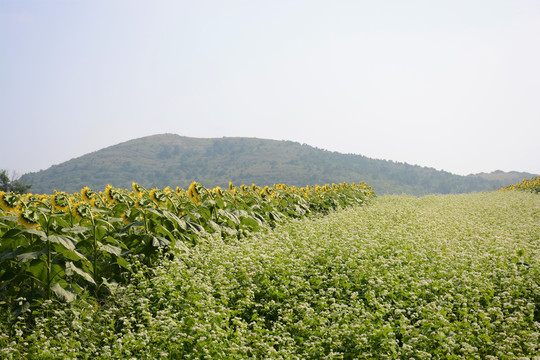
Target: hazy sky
453	85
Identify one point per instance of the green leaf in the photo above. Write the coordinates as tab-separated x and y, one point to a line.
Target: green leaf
57	271
66	241
76	229
155	212
123	263
250	223
63	294
73	255
204	213
34	231
274	216
133	224
71	268
196	228
13	232
24	257
162	231
111	249
8	255
158	242
233	218
175	219
100	231
214	225
38	269
220	203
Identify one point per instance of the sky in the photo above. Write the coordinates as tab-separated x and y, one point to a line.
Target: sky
453	85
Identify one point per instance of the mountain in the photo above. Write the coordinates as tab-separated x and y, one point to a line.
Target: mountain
510	177
173	160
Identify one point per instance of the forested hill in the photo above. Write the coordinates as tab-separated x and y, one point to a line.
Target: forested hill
173	160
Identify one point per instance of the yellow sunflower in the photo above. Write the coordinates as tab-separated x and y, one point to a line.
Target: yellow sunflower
60	201
28	218
9	201
139	190
88	194
82	210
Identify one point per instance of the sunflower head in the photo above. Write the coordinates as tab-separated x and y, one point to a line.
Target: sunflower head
82	210
88	194
60	201
28	217
268	191
217	192
31	198
139	190
193	192
114	196
159	196
9	201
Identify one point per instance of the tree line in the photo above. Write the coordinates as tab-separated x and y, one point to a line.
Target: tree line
12	183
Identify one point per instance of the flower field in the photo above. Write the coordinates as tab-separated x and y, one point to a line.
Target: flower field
64	245
436	277
532	185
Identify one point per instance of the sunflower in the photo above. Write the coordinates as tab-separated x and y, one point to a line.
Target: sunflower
217	190
139	190
60	201
28	218
268	191
108	193
9	201
82	210
113	195
193	192
88	194
31	197
159	196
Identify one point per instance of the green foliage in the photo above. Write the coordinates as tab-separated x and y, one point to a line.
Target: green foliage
171	160
66	245
448	277
11	184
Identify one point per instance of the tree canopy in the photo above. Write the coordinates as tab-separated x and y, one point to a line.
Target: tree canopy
11	183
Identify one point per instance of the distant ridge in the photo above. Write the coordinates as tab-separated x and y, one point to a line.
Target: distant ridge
173	160
508	177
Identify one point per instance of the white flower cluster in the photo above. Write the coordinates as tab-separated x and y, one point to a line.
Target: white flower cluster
437	277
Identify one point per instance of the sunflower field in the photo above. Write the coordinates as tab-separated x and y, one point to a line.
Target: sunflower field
532	185
61	246
432	277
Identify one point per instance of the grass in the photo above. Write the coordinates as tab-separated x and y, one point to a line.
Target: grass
443	277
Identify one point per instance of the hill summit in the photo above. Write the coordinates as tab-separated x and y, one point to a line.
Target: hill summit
173	160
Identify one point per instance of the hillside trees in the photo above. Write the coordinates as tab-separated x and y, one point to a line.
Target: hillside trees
12	183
